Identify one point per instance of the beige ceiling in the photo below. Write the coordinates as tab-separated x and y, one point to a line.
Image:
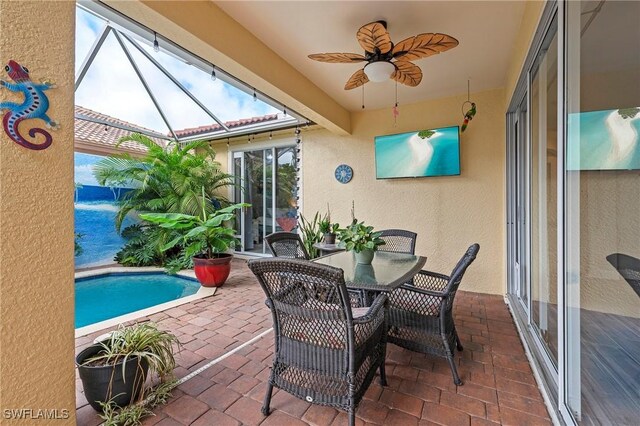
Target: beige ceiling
294	29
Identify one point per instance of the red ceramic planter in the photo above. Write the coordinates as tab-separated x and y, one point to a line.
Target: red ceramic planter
213	272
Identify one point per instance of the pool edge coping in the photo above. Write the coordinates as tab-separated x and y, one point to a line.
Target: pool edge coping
92	328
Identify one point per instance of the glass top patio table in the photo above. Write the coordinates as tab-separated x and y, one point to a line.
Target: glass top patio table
387	271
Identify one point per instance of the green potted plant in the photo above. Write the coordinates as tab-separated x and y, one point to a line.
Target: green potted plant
205	239
114	371
327	228
361	239
311	233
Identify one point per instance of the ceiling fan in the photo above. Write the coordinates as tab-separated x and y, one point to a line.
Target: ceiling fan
387	60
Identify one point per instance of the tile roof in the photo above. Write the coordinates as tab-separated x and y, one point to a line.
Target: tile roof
230	124
91	134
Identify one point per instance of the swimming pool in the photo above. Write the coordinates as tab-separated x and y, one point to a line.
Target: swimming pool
102	297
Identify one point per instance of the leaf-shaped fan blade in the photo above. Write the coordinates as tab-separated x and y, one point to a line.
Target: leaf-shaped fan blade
336	58
357	79
407	73
374	36
422	46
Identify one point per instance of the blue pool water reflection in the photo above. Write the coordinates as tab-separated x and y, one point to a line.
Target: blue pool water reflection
107	296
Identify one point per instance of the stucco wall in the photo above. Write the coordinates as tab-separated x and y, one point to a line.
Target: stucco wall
530	19
448	213
36	220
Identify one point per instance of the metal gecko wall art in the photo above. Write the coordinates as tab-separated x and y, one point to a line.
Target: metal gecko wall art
34	106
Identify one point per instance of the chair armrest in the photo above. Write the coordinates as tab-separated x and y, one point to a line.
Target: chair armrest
376	308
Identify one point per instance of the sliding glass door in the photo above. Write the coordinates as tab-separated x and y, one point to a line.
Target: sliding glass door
533	171
603	201
573	229
265	179
543	194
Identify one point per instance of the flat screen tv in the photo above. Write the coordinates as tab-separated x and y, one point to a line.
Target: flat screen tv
604	140
432	152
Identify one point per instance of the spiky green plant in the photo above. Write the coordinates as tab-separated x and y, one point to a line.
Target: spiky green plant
131	415
142	341
311	233
164	180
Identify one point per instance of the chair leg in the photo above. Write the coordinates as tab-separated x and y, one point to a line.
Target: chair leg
454	371
458	342
452	363
352	417
383	375
267	399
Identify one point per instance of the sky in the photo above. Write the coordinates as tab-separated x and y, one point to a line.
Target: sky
84	168
112	87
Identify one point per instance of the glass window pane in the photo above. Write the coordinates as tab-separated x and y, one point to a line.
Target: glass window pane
88	27
181	111
544	162
603	201
253	186
225	101
286	189
112	87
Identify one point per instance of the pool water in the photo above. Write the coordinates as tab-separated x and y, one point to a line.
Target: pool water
107	296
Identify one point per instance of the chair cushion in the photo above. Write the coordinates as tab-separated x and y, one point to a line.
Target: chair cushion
325	333
408	300
359	312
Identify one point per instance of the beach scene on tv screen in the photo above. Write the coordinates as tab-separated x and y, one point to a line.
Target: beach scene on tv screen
433	152
604	140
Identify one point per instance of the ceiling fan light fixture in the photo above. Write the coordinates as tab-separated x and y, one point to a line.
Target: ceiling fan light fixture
379	71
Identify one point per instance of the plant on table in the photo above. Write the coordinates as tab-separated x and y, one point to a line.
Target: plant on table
114	371
205	239
327	228
361	239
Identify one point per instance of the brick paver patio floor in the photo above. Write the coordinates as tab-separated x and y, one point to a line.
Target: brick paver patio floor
499	387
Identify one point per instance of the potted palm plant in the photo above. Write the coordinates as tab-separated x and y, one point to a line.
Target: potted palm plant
205	239
361	239
115	370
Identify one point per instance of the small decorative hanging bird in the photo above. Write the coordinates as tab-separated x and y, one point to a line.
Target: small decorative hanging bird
468	116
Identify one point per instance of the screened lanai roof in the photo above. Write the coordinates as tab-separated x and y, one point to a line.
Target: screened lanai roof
130	73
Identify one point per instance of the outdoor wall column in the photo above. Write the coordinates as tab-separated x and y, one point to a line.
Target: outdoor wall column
36	222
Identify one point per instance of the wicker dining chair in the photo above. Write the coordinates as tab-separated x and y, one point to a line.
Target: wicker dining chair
287	244
421	312
326	352
628	267
398	241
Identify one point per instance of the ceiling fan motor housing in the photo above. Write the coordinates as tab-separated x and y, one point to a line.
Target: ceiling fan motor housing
379	71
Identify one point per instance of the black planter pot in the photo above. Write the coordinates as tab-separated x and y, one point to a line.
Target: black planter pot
101	383
329	238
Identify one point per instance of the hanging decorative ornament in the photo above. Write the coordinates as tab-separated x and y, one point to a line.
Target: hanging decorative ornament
395	110
470	113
